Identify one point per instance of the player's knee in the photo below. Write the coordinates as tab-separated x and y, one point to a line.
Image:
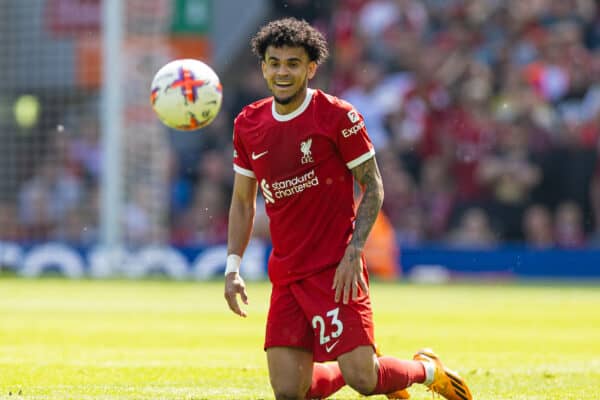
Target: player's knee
289	391
279	396
363	384
363	380
289	396
359	369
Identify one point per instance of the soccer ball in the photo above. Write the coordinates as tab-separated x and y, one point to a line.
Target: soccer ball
186	94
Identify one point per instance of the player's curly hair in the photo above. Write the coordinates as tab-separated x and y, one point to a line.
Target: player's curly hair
290	32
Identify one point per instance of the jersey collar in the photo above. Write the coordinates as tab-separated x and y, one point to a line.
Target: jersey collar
297	111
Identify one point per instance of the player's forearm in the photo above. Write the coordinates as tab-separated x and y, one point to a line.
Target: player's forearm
241	219
367	212
369	178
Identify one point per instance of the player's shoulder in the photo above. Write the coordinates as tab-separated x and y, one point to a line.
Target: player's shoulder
253	114
335	109
331	104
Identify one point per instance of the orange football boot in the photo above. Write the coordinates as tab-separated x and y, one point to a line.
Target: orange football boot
445	381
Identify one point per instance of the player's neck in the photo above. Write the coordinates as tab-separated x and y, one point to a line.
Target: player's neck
292	106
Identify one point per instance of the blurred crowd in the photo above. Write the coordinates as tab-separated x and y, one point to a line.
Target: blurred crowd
485	116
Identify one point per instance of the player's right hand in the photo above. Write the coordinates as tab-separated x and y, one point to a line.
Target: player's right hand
234	285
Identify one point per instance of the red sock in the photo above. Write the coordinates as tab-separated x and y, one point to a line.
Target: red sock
326	380
395	374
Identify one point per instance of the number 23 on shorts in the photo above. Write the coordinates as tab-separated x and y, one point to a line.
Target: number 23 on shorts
331	321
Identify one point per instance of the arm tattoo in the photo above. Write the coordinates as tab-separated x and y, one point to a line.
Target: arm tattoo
368	176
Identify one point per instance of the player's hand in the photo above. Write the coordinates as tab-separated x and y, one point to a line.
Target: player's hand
234	285
349	276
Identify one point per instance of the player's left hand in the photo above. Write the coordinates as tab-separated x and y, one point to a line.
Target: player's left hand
349	276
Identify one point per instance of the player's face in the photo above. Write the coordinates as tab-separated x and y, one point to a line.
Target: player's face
287	71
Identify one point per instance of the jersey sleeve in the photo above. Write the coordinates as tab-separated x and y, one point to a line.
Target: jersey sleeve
241	162
353	140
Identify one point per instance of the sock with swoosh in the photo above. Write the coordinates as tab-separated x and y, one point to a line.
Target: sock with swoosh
395	374
326	380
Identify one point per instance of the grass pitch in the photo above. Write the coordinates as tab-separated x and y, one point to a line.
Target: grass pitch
69	339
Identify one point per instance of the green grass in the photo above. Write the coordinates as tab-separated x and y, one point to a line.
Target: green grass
68	339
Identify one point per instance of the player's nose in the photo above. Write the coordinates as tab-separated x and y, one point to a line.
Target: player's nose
282	70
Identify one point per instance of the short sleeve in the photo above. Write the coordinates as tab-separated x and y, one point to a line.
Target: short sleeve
241	163
353	140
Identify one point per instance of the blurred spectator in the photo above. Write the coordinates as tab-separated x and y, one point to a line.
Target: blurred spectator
474	231
570	167
76	228
462	135
592	31
368	76
183	228
416	105
438	197
549	74
209	213
401	193
181	186
411	229
251	87
377	16
9	218
137	221
85	149
213	167
46	198
511	174
538	227
569	230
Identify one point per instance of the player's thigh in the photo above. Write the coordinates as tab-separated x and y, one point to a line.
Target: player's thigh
287	326
359	368
290	371
337	328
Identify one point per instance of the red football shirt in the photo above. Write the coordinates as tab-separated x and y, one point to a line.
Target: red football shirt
302	164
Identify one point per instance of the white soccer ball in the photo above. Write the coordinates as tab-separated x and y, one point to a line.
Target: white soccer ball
186	94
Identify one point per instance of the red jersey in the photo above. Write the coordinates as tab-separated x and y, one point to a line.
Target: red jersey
302	164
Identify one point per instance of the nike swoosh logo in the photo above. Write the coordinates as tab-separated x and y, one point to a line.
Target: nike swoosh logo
329	348
259	155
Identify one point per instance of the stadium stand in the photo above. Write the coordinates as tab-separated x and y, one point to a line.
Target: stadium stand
485	115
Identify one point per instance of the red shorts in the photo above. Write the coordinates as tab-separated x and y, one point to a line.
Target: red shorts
304	314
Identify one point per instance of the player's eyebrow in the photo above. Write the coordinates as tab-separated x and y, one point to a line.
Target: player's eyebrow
294	59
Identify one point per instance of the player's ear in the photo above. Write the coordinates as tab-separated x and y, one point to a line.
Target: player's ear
263	67
312	69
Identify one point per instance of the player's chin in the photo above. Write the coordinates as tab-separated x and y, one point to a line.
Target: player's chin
284	95
283	100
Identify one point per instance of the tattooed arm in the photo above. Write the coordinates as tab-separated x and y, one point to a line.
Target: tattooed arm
348	276
368	176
